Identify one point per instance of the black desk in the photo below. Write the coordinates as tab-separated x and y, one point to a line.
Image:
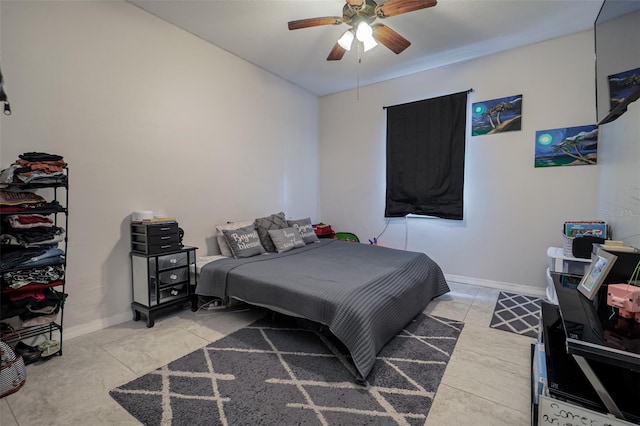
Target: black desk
605	347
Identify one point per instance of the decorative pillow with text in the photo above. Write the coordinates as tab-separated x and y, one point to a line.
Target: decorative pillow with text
305	228
286	239
244	242
225	250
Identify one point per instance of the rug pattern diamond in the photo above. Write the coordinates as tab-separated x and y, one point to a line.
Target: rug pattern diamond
280	373
517	313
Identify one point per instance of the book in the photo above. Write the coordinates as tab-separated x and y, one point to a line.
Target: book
596	228
160	220
622	249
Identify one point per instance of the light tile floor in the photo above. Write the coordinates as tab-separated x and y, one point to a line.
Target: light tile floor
485	384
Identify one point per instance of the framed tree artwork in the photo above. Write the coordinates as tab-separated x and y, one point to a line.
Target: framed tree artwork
567	146
497	116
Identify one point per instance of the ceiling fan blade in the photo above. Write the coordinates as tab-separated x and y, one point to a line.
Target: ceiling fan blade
390	38
314	22
336	53
398	7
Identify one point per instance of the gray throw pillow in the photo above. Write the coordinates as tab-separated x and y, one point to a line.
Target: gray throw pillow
286	239
225	250
244	242
305	228
264	224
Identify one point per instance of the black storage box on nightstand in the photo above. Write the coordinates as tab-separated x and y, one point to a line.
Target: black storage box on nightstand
154	238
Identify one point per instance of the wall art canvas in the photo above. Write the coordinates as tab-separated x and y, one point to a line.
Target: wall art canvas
496	116
568	146
622	85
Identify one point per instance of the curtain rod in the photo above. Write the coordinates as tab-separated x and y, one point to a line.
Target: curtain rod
408	103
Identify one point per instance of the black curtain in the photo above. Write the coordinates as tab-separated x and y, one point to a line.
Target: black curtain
425	157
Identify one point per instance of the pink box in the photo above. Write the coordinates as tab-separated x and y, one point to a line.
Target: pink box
626	298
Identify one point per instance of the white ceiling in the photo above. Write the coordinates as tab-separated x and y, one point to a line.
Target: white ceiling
452	31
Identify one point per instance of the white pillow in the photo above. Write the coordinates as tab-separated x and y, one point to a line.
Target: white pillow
225	250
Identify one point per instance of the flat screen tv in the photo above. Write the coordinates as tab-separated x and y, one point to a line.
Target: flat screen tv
617	42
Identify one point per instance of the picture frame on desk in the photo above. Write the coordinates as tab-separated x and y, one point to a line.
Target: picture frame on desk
601	264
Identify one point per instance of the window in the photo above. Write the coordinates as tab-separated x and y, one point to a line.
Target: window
425	157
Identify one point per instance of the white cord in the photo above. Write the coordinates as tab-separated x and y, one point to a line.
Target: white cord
385	228
406	233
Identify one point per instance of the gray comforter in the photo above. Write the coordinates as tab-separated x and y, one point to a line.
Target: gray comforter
365	294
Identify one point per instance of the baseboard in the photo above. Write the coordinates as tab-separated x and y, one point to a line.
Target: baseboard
499	285
97	325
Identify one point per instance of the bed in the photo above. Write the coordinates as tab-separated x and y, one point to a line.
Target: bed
364	294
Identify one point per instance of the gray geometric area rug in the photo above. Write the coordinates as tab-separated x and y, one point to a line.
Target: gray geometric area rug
283	372
517	313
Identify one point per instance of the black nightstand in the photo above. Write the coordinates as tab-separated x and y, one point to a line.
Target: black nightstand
162	281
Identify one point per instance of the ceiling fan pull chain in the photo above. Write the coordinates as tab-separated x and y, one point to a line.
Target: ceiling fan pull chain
358	71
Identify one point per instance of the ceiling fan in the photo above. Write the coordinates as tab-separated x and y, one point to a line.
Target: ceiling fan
360	14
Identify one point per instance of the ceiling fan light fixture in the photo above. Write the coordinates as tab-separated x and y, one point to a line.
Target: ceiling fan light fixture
346	40
364	32
369	44
359	15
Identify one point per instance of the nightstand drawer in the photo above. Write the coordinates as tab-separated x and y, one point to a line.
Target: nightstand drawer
142	239
168	294
173	276
172	260
156	248
163	239
171	228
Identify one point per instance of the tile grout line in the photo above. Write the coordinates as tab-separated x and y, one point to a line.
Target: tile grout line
485	399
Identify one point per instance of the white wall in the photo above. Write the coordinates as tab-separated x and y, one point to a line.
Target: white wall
513	211
619	195
148	117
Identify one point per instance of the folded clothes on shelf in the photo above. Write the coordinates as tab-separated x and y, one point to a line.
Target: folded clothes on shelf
40	275
36	235
35	167
34	304
31	257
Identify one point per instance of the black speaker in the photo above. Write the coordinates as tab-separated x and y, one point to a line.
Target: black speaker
583	246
